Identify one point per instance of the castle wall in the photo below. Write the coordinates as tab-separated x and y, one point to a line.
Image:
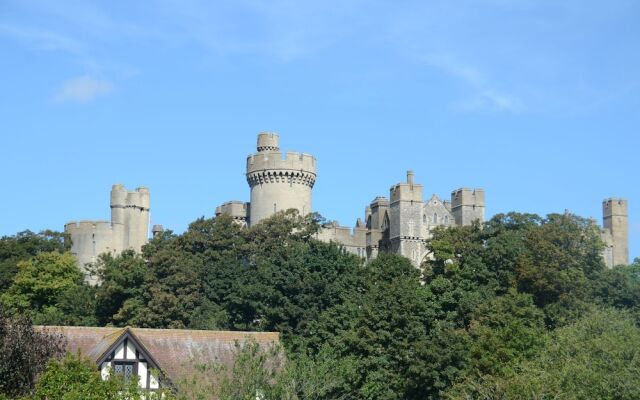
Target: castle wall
89	240
353	240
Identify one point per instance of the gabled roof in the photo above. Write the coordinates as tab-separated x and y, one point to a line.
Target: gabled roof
172	350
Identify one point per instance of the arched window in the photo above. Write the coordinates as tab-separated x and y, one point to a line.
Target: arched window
424	218
435	218
446	220
385	222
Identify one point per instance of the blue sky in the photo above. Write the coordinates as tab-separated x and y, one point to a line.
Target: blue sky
538	102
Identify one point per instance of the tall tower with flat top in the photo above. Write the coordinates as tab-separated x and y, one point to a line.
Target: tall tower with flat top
615	233
278	183
406	211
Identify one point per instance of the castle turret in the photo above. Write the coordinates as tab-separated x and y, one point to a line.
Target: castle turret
238	210
130	217
616	231
157	230
467	205
405	233
278	183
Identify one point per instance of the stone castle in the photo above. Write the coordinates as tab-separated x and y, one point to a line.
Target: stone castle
398	224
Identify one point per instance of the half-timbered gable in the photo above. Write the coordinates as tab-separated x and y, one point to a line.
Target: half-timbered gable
121	353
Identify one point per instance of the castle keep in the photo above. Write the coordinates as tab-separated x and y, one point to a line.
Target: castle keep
128	228
400	223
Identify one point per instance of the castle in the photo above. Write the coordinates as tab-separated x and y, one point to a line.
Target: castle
398	224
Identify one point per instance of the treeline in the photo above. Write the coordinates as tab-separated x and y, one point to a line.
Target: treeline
519	307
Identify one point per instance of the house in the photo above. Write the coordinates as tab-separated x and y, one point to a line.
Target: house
158	357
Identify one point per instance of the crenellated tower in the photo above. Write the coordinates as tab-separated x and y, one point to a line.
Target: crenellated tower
130	217
278	183
615	232
406	219
467	205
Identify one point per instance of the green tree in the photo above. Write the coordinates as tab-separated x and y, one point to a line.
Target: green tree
504	331
597	357
24	245
40	281
389	329
122	278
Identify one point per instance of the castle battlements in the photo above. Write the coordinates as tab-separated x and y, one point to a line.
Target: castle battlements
273	161
85	224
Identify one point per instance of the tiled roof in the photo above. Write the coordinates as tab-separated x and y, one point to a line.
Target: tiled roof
173	349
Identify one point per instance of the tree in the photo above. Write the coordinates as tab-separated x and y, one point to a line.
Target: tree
25	245
597	357
388	329
40	281
122	278
24	353
504	331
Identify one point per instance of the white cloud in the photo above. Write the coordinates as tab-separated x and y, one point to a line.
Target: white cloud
41	38
82	89
484	96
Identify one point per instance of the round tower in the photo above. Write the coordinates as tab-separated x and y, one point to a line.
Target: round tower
278	183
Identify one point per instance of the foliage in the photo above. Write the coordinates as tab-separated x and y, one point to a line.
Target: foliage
49	288
273	276
505	330
24	352
24	245
597	357
397	353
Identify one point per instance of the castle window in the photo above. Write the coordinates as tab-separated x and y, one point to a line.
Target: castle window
435	218
274	207
446	219
424	218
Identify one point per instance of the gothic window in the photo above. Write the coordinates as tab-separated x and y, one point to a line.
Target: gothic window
424	218
385	222
435	218
446	220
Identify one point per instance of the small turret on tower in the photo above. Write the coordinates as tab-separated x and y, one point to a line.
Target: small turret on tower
268	141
